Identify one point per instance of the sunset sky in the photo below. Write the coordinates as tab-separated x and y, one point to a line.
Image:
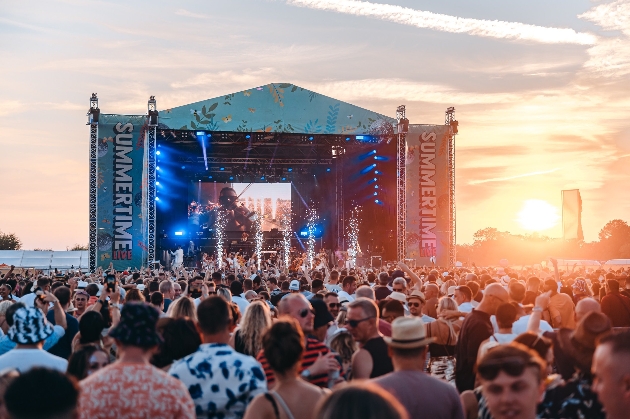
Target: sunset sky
541	89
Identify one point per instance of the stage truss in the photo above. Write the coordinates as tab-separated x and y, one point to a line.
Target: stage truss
93	116
401	184
151	169
450	121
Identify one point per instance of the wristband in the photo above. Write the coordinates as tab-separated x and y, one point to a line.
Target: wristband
537	309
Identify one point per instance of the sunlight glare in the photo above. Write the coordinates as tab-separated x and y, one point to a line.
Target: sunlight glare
538	215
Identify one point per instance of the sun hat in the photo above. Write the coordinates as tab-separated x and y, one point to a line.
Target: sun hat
82	284
29	326
137	326
398	296
140	287
408	333
295	285
417	294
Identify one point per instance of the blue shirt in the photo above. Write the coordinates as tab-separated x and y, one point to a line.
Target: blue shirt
63	348
6	344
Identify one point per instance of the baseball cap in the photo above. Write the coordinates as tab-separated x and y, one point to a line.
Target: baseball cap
295	285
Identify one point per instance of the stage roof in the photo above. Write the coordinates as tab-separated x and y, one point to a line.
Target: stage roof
277	107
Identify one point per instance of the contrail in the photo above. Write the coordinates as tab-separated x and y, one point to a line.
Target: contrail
501	179
479	27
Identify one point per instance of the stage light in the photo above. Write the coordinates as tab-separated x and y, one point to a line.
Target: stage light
347	138
209	177
179	233
284	178
231	177
157	167
157	183
157	199
223	168
359	137
375	186
157	152
382	158
378	202
262	178
290	169
368	168
248	136
375	193
328	169
376	172
310	138
371	181
373	151
183	167
201	133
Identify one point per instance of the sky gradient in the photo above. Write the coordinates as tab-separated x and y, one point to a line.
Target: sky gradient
541	90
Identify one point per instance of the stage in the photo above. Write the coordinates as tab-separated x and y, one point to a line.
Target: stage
272	157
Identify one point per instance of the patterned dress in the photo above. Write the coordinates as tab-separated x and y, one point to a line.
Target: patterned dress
221	381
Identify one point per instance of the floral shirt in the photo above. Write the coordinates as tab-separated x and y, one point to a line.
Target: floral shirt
134	391
221	381
573	400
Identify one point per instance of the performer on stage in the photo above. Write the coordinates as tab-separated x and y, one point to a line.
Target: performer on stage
238	217
191	249
178	258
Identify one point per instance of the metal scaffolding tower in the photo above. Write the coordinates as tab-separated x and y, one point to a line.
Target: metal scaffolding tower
401	190
450	121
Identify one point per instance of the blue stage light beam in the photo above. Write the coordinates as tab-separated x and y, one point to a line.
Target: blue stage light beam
202	138
368	168
381	158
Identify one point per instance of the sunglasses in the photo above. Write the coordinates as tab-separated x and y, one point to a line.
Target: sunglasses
333	305
512	366
355	323
414	304
212	293
398	289
304	312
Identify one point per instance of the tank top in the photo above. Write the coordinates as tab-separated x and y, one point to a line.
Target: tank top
381	362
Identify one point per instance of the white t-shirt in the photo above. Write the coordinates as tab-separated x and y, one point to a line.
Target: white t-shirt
466	307
333	288
25	359
345	296
520	326
241	303
28	300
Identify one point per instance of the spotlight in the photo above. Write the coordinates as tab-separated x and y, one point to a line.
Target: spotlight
378	202
157	199
157	183
347	138
328	169
290	169
231	177
201	134
223	168
310	138
157	167
284	178
262	178
179	233
157	152
375	186
183	167
375	193
376	172
209	177
248	136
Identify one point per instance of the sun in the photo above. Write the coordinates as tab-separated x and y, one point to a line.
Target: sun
538	215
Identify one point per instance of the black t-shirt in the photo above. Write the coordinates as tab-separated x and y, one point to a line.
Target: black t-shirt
63	348
475	329
530	297
381	362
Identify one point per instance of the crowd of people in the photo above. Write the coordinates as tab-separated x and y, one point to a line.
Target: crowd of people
393	342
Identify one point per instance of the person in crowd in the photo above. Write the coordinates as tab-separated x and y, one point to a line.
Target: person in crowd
180	338
444	332
505	317
372	359
134	294
580	290
361	401
332	285
420	394
475	329
512	379
80	302
247	339
322	320
86	361
317	361
4	306
183	307
561	308
91	326
236	288
463	298
42	393
344	345
177	291
399	285
382	290
131	386
365	292
168	291
42	283
292	397
29	330
575	398
332	301
615	305
416	302
533	290
63	348
221	381
349	285
611	372
157	300
392	309
431	293
6	293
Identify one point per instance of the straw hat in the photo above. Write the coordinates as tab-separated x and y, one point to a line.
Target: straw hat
417	295
408	333
398	296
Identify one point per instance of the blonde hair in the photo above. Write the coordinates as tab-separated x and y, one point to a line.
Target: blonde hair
4	306
182	307
255	322
446	303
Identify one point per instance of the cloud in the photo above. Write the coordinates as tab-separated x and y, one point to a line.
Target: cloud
184	12
8	107
502	179
453	24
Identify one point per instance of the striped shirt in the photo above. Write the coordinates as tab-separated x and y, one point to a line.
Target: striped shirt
312	351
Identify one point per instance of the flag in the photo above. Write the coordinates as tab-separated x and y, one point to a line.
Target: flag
572	215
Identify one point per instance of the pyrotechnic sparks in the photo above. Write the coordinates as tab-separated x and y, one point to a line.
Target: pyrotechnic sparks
286	241
259	240
219	227
353	235
312	222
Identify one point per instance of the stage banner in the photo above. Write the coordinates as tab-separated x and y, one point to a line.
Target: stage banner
121	224
572	215
427	191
